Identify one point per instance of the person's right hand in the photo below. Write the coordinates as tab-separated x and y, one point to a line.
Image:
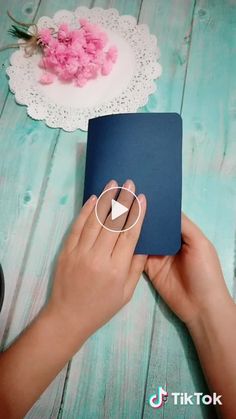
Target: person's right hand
191	281
97	270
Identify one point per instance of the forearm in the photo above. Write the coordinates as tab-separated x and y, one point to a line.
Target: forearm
214	335
32	362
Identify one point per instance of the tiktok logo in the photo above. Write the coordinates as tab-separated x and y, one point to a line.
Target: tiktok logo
157	400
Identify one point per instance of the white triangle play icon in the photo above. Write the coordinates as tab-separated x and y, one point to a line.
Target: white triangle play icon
117	209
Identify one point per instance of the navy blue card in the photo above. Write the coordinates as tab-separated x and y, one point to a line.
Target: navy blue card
147	148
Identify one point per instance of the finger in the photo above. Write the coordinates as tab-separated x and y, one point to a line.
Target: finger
191	233
107	239
126	243
155	264
125	198
77	227
136	269
92	227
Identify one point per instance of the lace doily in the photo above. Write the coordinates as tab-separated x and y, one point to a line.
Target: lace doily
125	89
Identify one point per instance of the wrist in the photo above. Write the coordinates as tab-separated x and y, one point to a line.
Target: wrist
63	329
214	316
213	334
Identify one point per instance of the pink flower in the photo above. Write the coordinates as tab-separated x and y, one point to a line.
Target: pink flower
76	55
63	32
99	58
90	48
72	66
61	53
83	22
64	75
106	68
42	63
94	70
78	36
45	36
84	59
88	26
46	78
103	38
112	54
50	61
49	51
80	80
76	48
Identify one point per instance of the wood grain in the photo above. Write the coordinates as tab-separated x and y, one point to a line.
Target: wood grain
41	186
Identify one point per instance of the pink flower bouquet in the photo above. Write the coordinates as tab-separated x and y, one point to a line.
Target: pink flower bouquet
75	55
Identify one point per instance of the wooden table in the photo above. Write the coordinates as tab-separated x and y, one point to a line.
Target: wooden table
41	180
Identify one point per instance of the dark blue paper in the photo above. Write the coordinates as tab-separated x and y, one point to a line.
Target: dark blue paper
147	148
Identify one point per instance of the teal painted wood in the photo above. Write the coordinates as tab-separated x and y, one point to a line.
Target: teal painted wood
51	7
208	189
171	22
210	128
210	146
41	191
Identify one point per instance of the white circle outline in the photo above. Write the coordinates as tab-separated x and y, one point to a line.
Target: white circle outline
139	211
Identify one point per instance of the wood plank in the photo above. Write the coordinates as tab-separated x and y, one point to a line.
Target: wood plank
208	190
171	22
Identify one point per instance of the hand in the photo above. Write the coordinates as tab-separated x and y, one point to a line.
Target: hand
97	272
96	275
192	280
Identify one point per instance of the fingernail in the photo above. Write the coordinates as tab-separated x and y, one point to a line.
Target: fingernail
111	184
128	184
141	198
92	198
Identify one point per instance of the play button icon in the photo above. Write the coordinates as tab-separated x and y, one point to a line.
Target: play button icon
117	209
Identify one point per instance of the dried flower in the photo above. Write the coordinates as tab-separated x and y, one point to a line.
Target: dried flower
46	78
75	55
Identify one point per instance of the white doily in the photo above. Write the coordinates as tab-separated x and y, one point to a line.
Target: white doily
125	89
